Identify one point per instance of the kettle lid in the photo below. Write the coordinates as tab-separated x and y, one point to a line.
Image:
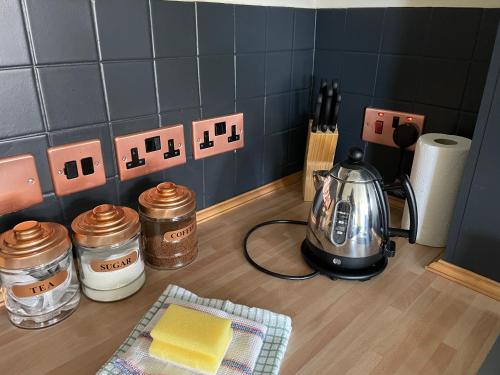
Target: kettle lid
354	169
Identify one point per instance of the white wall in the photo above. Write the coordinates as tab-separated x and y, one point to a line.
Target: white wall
406	3
365	3
277	3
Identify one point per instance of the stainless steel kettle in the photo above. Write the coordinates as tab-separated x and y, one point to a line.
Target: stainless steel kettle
348	233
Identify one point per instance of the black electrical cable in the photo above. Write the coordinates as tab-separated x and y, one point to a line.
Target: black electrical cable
265	270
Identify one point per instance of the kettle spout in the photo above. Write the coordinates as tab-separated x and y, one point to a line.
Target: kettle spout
319	178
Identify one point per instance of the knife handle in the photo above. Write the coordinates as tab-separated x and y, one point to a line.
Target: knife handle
335	86
336	110
323	85
317	112
328	110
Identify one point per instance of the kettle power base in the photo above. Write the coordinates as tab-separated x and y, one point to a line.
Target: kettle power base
335	272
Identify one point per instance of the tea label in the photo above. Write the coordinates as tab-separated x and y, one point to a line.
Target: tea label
179	234
39	287
125	261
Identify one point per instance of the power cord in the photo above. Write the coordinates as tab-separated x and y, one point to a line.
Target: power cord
265	270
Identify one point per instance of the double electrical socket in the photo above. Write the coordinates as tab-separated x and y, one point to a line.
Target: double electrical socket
151	151
217	135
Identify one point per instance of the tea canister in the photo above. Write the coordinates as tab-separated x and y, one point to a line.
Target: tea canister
168	217
108	244
38	277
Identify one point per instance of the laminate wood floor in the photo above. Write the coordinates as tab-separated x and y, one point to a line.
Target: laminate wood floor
405	321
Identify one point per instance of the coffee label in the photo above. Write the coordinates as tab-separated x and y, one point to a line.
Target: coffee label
99	265
179	234
39	287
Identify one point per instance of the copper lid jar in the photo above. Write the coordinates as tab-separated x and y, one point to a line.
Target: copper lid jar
39	281
107	239
168	217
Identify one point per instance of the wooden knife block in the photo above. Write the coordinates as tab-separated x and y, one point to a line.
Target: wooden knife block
320	151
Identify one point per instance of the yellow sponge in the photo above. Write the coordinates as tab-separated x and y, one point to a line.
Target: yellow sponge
191	338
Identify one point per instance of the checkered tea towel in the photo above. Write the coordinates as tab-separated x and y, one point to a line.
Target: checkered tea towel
276	329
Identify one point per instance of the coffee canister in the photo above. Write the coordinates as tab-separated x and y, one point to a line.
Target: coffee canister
109	248
168	217
38	277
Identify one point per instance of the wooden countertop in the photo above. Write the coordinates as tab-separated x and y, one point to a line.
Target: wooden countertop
404	321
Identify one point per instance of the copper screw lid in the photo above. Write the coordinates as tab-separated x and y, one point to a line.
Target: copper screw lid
30	244
167	201
105	225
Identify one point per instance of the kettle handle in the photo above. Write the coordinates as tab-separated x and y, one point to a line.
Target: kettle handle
384	208
412	208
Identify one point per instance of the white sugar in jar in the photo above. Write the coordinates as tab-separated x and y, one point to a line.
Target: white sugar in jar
108	243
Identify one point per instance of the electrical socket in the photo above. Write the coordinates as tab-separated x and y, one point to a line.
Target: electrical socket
76	166
217	135
379	125
150	151
20	186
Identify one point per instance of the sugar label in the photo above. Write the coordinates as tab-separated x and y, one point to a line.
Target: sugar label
98	265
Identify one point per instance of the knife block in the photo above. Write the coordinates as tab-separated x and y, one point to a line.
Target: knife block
320	151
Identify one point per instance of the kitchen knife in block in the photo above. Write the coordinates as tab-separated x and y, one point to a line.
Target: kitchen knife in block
328	110
317	112
335	116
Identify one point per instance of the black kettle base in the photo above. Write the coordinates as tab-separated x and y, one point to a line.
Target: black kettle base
335	272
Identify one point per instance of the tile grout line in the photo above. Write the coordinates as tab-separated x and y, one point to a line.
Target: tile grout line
196	25
235	152
100	65
41	101
311	83
377	67
34	69
292	68
265	140
154	59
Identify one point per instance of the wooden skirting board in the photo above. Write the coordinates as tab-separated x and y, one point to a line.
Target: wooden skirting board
222	207
466	278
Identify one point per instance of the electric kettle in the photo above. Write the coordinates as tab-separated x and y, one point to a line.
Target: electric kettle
348	233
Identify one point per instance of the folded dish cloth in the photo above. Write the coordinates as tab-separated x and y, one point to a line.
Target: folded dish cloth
258	344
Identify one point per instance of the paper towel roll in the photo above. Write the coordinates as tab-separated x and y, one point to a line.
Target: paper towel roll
436	175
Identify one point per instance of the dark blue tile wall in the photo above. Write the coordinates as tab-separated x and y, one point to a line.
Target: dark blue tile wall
431	61
80	69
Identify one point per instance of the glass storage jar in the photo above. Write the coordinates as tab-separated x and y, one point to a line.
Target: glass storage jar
108	243
39	282
168	217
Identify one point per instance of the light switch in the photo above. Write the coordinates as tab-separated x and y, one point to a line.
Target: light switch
76	166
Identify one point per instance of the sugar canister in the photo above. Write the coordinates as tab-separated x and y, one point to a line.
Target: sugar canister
109	248
168	217
38	277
